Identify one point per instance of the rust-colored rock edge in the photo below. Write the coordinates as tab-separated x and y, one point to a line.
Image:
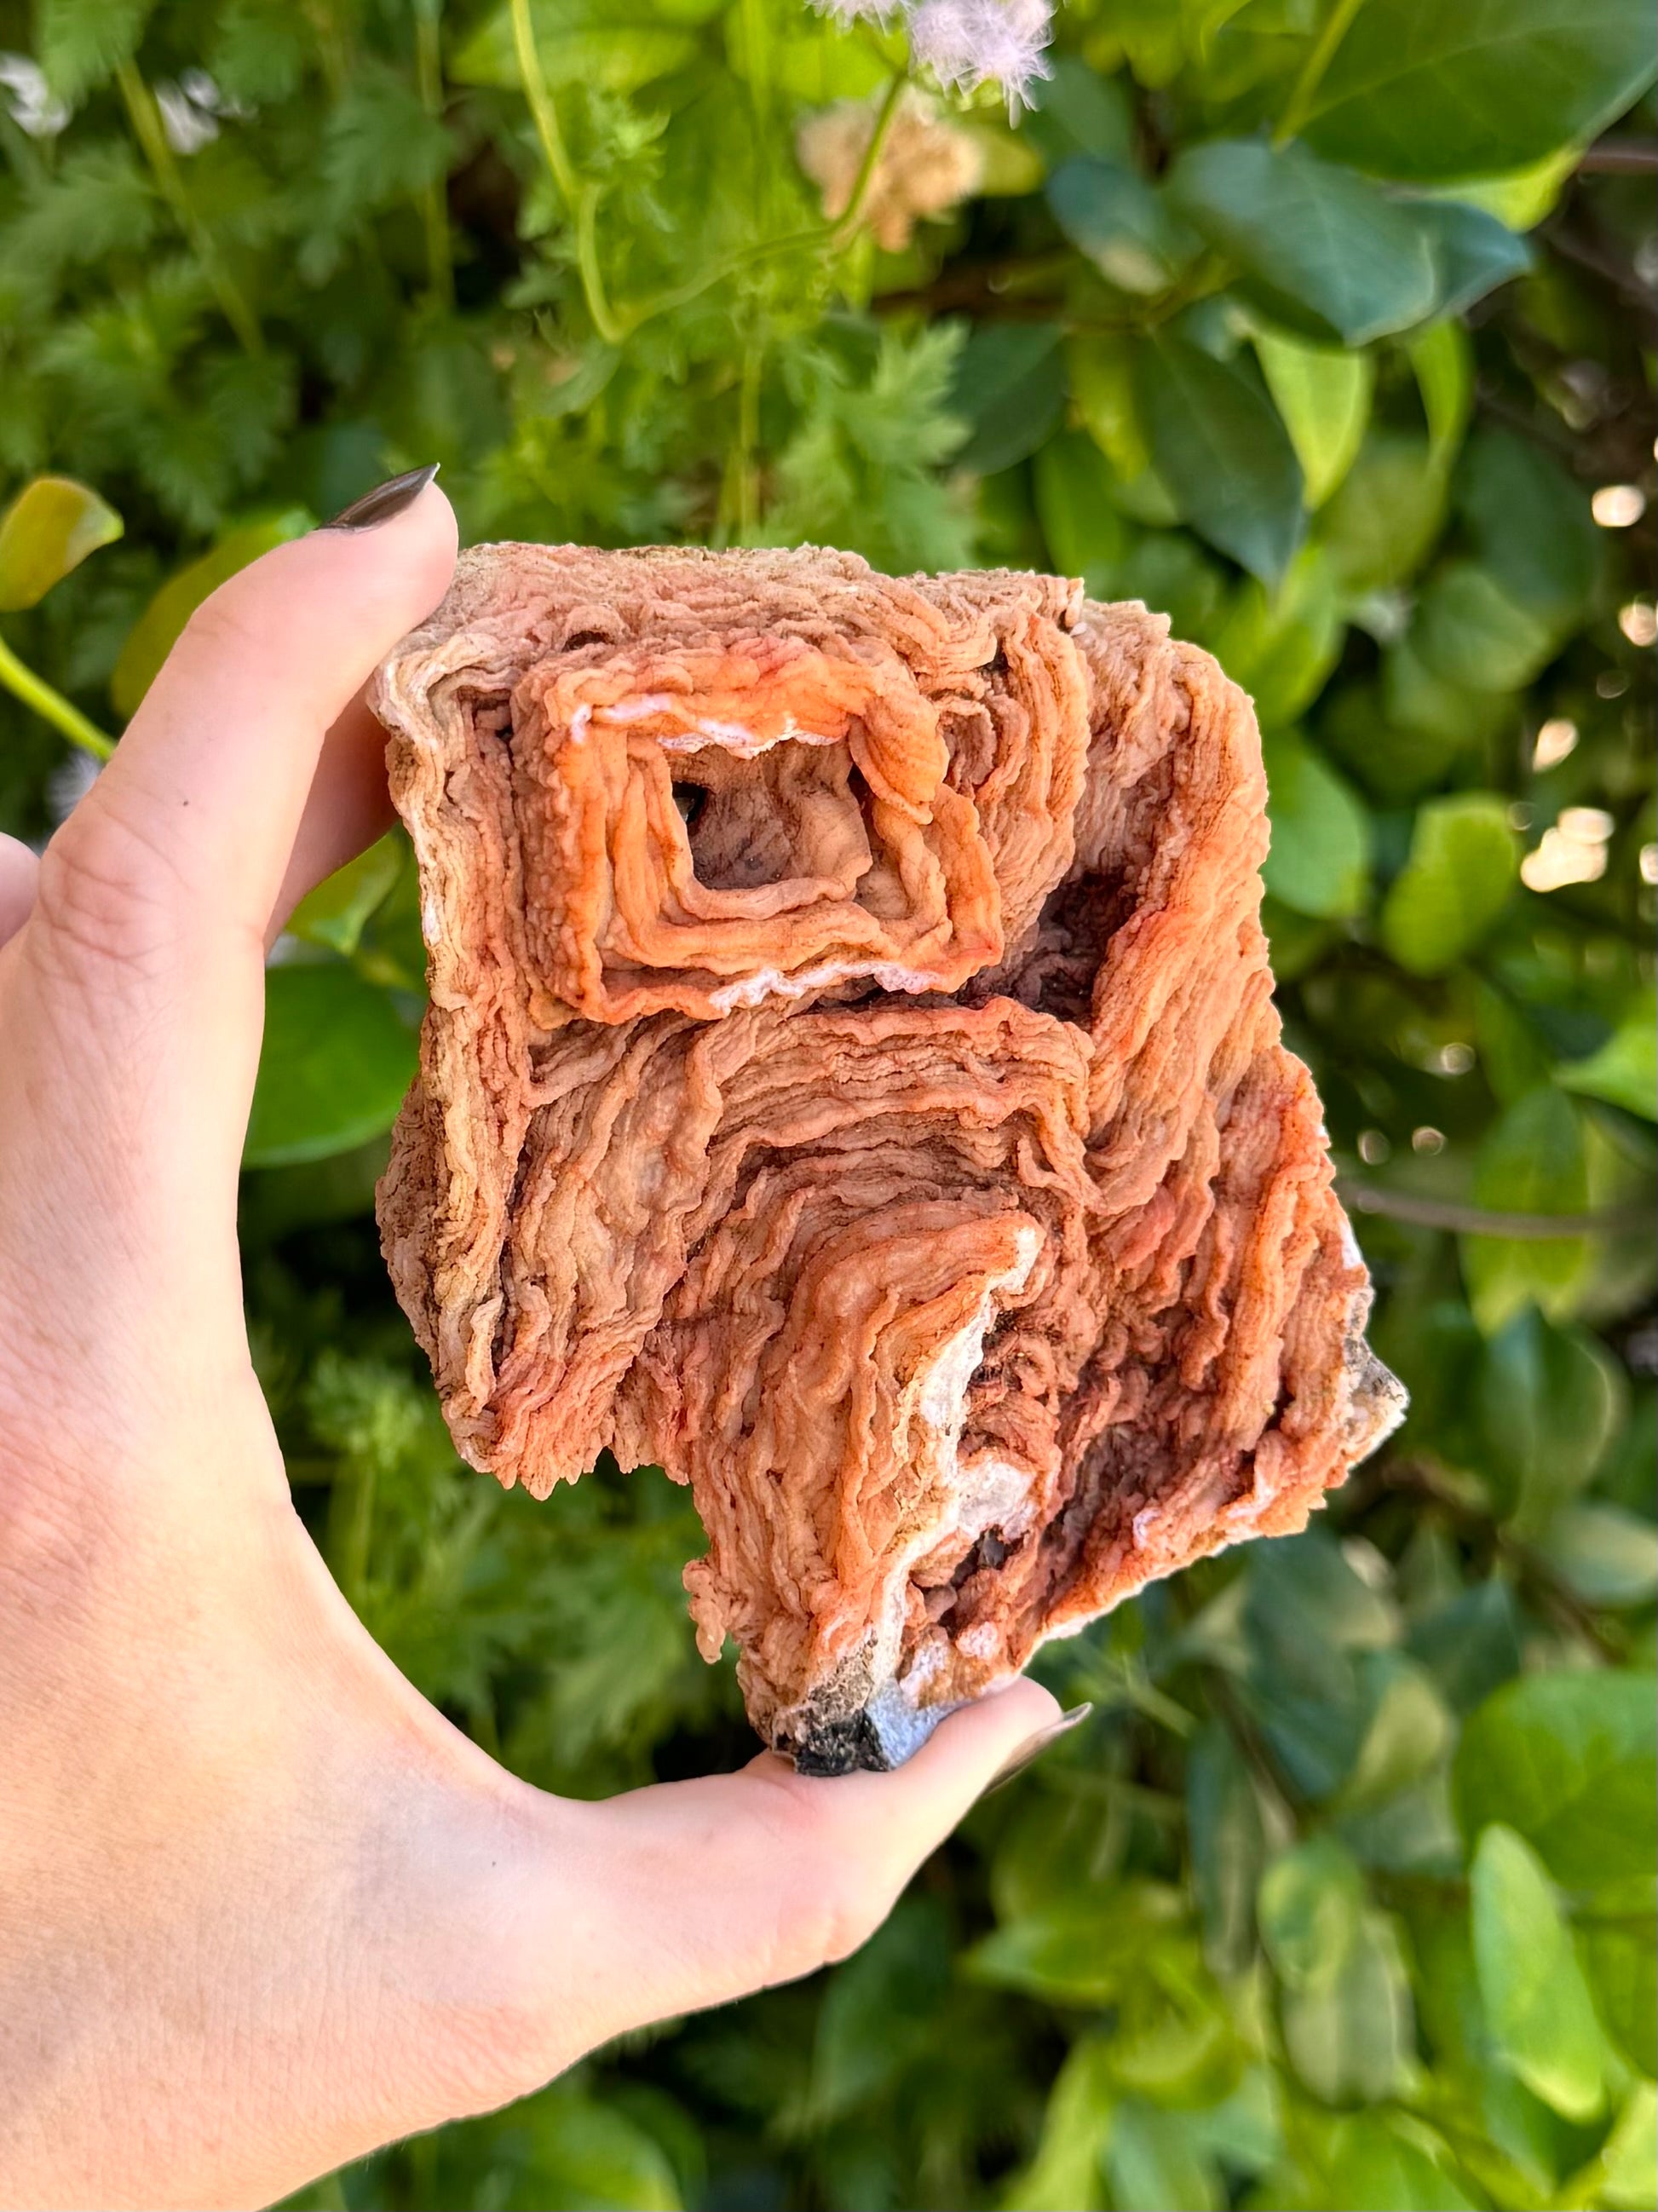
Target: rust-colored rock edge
851	1082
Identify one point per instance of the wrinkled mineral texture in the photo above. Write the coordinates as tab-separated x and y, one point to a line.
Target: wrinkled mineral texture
852	1084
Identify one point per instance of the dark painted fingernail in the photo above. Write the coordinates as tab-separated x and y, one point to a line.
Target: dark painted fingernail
383	502
1034	1746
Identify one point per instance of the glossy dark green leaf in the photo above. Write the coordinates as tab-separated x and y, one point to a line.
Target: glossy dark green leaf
1463	863
49	528
1071	482
1115	218
1537	2002
1217	443
1473	252
1419	90
1471	631
1312	240
1549	1398
1530	526
1077	111
1010	387
1624	1072
336	1059
1471	1645
1567	1760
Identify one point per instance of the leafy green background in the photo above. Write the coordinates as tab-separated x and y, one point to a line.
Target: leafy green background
1317	326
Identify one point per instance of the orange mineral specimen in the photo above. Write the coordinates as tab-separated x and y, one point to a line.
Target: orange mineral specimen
851	1083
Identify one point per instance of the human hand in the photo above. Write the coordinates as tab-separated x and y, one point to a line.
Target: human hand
261	1906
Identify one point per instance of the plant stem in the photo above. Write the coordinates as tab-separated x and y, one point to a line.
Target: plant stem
1482	1221
1337	24
147	128
434	203
847	222
51	706
578	195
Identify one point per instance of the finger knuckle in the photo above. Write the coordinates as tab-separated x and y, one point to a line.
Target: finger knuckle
108	902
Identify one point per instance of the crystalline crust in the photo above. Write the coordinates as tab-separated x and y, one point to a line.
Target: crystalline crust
851	1083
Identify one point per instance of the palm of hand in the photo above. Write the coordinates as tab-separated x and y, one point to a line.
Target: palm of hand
261	1907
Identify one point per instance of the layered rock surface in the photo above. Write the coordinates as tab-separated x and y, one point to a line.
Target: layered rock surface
851	1083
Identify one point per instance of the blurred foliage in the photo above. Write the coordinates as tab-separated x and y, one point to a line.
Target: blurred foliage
1327	329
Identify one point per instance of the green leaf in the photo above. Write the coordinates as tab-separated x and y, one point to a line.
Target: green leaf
1549	1399
336	1062
1070	480
1411	1730
1323	394
156	631
1077	111
1348	2022
1100	372
1319	859
1533	1160
558	2151
81	43
1624	1070
1010	387
1124	227
1386	513
1281	646
1065	2174
1315	242
1521	197
1620	1957
1470	631
1228	1843
1442	357
1080	1949
1531	526
611	48
1417	90
49	528
1217	443
1536	2001
1463	863
1628	2158
335	912
1603	1555
1156	2165
1567	1760
1473	252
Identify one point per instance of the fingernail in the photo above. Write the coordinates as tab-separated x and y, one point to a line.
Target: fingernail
383	502
1035	1746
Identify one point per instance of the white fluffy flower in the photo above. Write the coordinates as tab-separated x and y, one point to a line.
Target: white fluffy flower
968	43
33	106
847	12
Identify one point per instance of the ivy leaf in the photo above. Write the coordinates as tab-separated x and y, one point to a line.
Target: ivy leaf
336	1059
1463	863
1421	91
1536	2001
1567	1760
157	630
49	528
1314	240
1323	395
1319	862
1217	443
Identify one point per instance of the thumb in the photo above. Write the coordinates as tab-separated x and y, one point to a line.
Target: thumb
691	1894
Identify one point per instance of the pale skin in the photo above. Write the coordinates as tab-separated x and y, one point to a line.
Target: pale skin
261	1907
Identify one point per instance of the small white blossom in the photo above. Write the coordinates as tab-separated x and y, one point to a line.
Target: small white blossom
968	43
33	105
188	127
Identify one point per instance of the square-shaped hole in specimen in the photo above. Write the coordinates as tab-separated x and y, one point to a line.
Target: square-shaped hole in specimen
706	826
